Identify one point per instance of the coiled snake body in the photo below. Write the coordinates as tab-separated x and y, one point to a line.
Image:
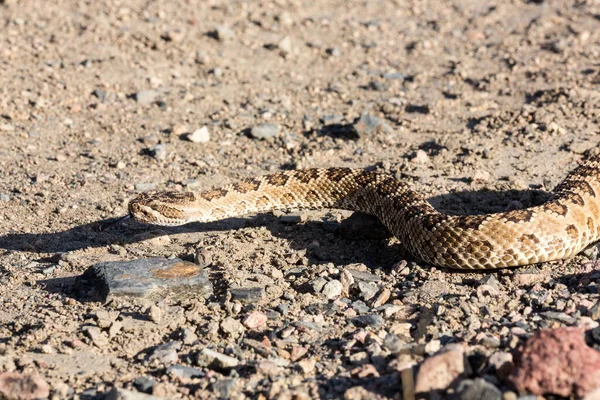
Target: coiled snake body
558	229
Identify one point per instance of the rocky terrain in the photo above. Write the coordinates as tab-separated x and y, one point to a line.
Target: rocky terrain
482	106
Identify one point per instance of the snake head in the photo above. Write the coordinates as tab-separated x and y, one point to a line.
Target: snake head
165	208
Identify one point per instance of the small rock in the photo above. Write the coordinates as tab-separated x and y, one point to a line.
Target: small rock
179	130
184	372
188	336
368	124
144	186
378	86
264	131
363	276
165	353
145	97
144	383
101	95
367	290
247	295
420	157
481	176
97	336
217	72
285	45
557	361
202	57
332	289
7	128
439	371
152	278
232	327
224	387
558	316
199	135
124	394
255	320
155	313
224	33
334	51
14	385
159	151
4	197
215	360
373	320
328	120
478	389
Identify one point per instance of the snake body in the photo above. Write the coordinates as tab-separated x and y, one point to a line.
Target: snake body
557	229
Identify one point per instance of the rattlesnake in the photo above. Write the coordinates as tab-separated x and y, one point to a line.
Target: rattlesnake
557	229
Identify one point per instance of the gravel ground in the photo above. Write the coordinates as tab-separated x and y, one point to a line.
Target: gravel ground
482	105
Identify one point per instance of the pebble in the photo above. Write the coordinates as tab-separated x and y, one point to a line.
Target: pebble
224	33
152	278
124	394
420	157
217	72
165	353
334	51
476	389
363	276
247	295
332	289
155	313
4	197
101	95
224	387
368	124
328	120
98	337
255	320
144	186
232	327
7	128
159	151
439	371
285	45
188	336
199	135
202	57
145	97
367	290
378	86
264	131
184	372
18	386
144	383
215	360
373	320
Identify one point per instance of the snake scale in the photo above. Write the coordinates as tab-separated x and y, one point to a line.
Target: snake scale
557	229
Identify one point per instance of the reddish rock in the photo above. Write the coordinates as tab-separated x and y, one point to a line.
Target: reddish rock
439	371
557	361
17	386
255	320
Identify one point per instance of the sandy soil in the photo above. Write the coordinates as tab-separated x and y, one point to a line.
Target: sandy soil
486	105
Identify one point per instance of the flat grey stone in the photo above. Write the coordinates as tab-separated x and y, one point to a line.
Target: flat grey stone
373	320
151	278
247	295
368	124
215	360
185	372
145	97
264	131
